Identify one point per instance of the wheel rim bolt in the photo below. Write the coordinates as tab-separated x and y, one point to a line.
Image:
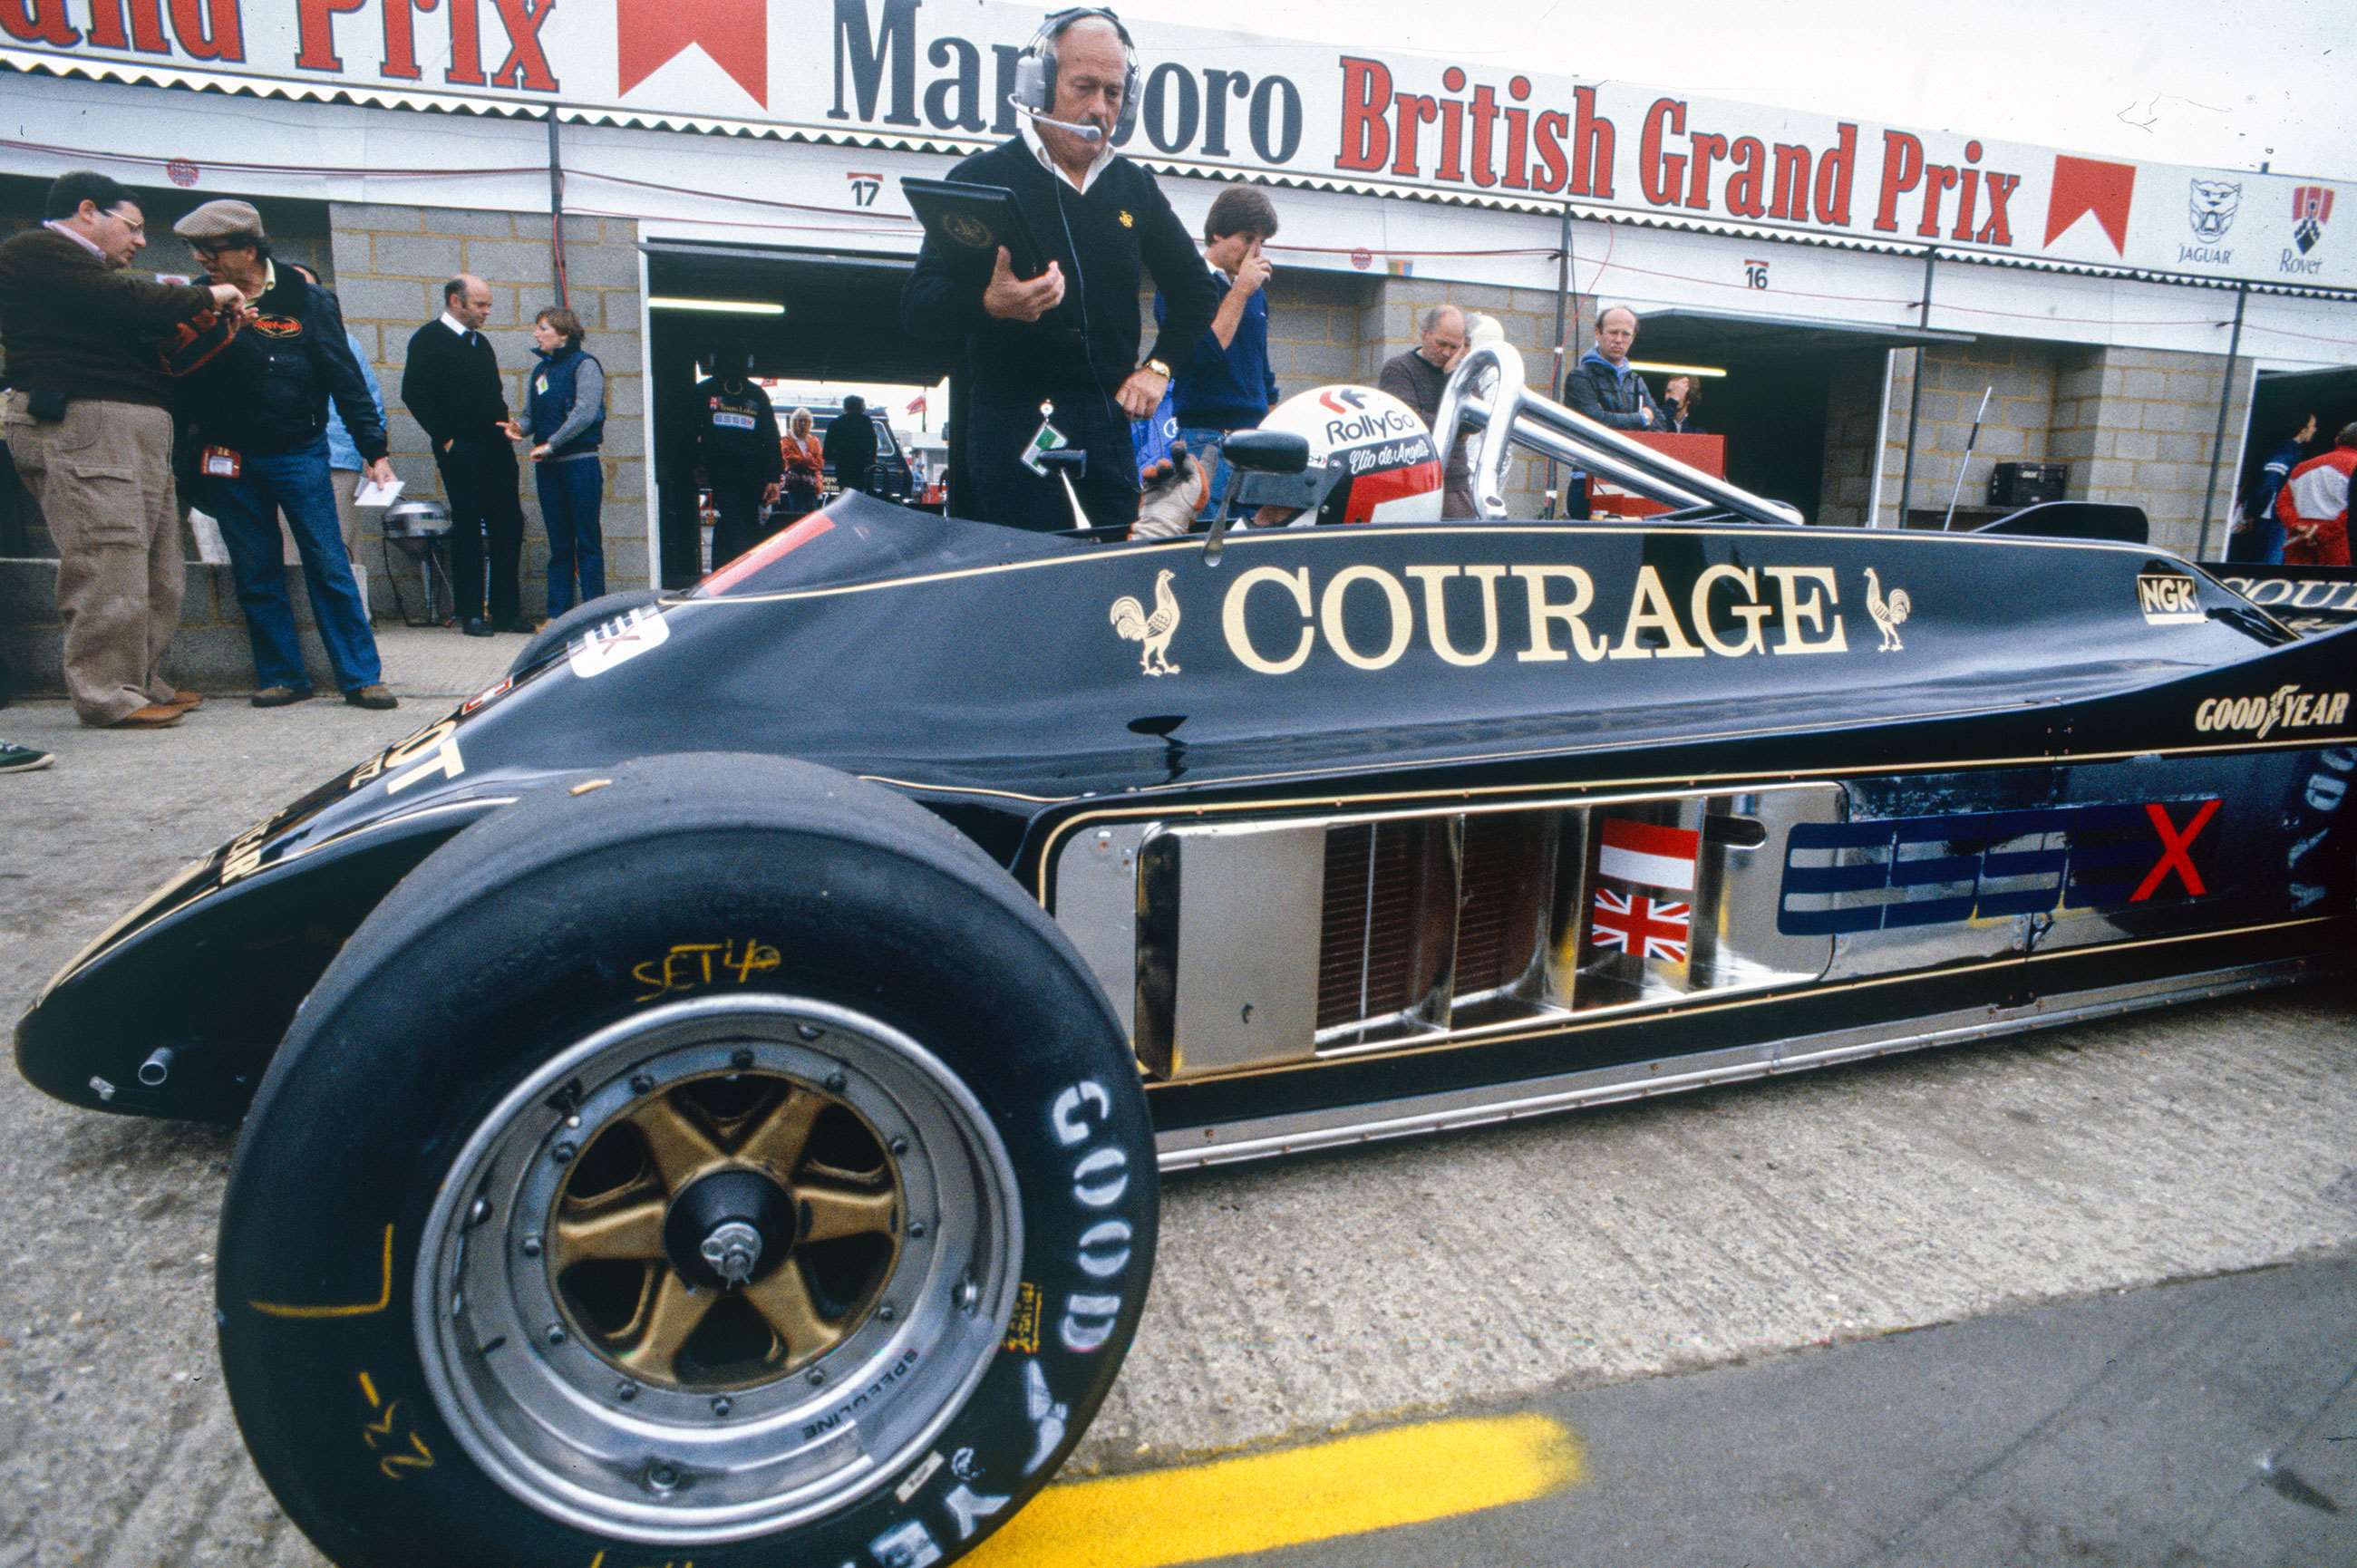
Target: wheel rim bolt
887	1312
834	1082
807	1032
916	1228
741	1061
641	1083
899	1145
723	1405
532	1246
626	1390
557	1333
478	1211
662	1477
563	1153
817	1376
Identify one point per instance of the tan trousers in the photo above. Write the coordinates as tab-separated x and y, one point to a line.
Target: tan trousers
103	476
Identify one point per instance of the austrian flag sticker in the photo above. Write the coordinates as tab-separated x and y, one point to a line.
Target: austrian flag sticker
1643	851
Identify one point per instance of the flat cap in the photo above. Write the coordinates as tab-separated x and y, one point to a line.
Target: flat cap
217	219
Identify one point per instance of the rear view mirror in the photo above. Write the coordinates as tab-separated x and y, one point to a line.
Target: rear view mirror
1267	451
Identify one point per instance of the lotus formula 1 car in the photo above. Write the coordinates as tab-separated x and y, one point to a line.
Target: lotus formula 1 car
703	1096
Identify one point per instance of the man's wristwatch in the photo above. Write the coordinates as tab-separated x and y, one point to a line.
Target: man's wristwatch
1158	367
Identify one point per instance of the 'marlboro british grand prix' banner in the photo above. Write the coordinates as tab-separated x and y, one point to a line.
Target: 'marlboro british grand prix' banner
907	73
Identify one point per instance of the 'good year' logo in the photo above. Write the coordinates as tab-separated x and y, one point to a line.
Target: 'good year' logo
2285	707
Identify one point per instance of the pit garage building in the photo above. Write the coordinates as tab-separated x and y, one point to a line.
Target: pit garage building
1853	290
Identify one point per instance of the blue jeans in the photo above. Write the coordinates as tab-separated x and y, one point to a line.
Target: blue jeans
247	507
571	494
1199	439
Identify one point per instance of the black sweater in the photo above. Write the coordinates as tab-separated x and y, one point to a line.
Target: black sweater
452	389
268	391
1100	240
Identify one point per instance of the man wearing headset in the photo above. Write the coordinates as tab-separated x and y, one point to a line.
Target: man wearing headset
1068	337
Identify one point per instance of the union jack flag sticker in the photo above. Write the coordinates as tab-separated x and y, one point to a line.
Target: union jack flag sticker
1646	928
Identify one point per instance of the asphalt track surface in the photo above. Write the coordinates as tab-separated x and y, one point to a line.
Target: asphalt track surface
1621	1256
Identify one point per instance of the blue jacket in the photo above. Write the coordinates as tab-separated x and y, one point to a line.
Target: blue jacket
549	399
342	453
1231	388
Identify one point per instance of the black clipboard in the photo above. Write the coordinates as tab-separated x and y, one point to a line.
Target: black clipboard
974	220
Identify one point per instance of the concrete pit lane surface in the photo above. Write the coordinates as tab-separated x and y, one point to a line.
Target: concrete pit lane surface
1494	1270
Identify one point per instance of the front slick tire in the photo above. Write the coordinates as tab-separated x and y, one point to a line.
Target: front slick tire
727	1164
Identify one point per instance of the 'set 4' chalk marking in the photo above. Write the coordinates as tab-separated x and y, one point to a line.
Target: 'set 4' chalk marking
689	966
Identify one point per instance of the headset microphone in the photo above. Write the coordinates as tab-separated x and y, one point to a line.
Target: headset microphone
1085	132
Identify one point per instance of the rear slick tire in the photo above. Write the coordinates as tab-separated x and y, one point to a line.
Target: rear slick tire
727	1164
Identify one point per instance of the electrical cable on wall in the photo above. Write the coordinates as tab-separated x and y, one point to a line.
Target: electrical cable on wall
903	224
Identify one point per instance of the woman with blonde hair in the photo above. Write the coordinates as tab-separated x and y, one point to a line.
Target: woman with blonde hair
806	463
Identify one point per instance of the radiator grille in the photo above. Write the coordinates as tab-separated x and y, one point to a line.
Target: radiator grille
1371	957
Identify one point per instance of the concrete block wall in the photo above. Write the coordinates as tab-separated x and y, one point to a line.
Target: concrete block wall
1852	440
2022	376
2139	426
210	652
2136	425
390	263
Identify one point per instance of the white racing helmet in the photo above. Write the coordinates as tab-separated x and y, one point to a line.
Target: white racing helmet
1371	460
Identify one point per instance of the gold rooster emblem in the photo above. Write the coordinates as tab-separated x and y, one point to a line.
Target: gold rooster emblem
1889	614
1130	619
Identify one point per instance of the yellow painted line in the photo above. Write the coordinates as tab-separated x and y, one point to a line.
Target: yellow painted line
1410	1475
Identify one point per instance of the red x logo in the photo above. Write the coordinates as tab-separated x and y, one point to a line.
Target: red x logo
2173	845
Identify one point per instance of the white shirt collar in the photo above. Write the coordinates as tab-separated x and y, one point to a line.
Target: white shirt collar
76	235
1088	175
454	325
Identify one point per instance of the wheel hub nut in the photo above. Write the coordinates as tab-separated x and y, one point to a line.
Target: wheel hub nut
732	1250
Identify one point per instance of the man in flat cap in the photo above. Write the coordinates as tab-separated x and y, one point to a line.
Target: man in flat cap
87	426
260	406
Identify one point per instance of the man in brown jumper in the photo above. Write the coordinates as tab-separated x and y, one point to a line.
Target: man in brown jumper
85	421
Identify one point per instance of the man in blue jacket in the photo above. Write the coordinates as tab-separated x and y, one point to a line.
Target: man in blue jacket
2259	537
1229	383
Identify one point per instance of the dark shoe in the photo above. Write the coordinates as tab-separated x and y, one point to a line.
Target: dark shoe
523	624
277	696
155	715
14	758
374	696
475	626
187	702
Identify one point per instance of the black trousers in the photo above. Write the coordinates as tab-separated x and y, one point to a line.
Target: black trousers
1000	489
479	476
736	501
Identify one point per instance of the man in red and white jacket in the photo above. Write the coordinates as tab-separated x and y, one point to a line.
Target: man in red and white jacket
2314	506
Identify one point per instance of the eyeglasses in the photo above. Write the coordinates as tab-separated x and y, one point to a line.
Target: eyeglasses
136	225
